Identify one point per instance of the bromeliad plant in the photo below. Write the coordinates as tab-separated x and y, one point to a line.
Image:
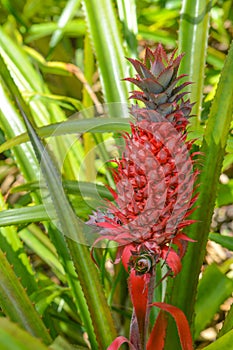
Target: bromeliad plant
154	194
150	214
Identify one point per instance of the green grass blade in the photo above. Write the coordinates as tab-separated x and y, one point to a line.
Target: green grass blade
16	303
14	250
22	72
225	241
37	31
128	18
193	36
213	148
93	125
213	289
23	77
63	101
40	244
66	16
59	242
46	295
16	9
86	189
13	337
12	246
12	125
25	215
88	139
71	227
107	43
26	79
37	213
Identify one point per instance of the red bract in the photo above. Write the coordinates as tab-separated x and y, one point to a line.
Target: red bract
154	184
157	336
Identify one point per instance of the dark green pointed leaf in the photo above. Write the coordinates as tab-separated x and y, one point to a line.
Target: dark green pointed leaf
86	189
26	215
40	244
13	337
213	289
16	304
72	126
71	227
213	149
193	36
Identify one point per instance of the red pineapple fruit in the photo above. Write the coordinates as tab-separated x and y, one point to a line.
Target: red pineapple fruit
155	177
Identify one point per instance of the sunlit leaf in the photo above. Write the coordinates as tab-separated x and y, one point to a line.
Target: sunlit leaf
213	289
225	241
13	337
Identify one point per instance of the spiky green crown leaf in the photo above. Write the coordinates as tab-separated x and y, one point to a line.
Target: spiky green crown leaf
158	79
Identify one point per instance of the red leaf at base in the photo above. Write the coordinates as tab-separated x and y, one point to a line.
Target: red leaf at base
118	342
157	336
138	287
181	324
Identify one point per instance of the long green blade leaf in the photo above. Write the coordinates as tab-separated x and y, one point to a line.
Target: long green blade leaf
66	16
16	304
213	147
12	246
87	189
24	78
193	36
104	30
128	17
214	288
25	215
93	125
13	337
71	227
225	241
40	244
12	125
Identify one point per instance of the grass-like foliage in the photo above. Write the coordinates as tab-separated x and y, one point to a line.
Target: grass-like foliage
104	242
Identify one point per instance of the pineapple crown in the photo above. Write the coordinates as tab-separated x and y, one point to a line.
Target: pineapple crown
157	78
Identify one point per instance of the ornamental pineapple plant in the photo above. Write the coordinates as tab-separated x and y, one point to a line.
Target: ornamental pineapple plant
154	193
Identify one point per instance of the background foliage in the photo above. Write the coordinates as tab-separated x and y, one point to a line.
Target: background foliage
64	57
